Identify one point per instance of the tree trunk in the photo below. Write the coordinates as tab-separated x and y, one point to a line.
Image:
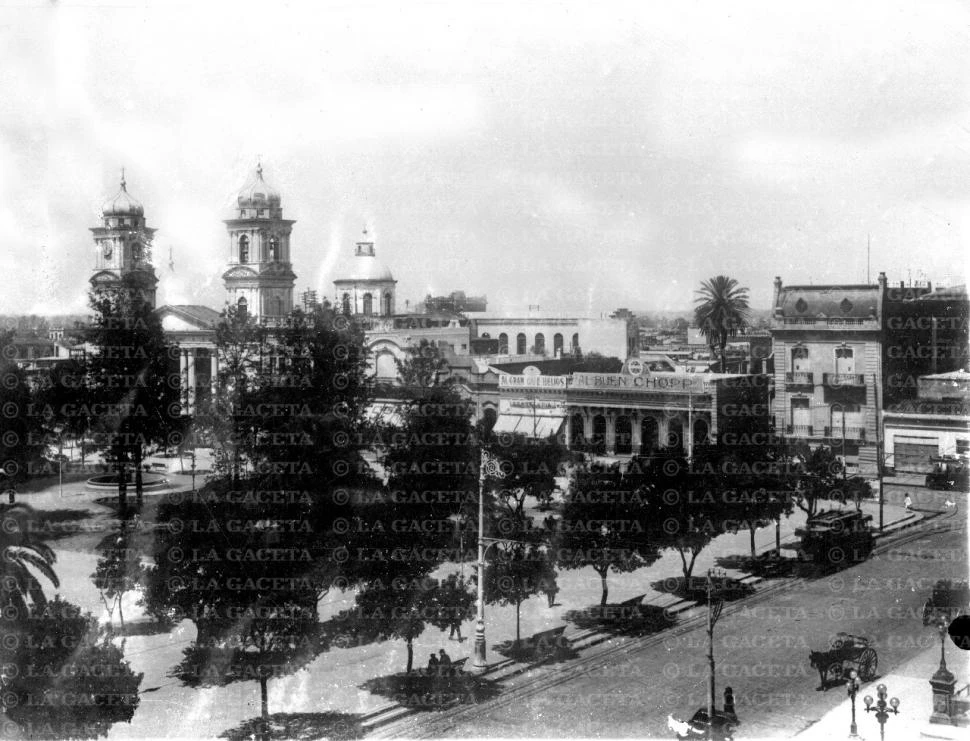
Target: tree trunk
606	587
751	529
264	702
517	634
778	534
410	655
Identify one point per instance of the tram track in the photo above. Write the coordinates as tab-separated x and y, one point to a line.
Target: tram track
448	722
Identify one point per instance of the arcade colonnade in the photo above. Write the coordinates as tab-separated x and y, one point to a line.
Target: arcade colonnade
624	431
198	369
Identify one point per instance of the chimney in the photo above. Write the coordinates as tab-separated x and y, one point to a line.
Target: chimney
777	292
882	281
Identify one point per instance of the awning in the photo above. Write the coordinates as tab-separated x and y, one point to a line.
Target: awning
538	426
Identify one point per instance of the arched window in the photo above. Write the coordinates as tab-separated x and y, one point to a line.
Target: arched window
346	304
242	306
575	342
520	344
243	249
274	249
368	304
387	304
503	343
540	343
557	344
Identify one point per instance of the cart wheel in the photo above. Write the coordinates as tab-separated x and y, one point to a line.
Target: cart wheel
867	665
834	671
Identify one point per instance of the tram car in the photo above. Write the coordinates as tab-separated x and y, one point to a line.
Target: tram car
836	538
949	473
846	652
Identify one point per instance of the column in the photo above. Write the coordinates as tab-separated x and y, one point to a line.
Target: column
214	370
191	380
588	424
663	429
610	433
183	380
637	439
569	428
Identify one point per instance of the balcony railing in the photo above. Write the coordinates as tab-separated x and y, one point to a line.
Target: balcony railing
857	434
800	430
799	378
844	379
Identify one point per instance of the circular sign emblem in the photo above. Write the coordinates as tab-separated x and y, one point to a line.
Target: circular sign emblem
531	370
634	366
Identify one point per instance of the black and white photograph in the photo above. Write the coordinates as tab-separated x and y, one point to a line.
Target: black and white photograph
484	370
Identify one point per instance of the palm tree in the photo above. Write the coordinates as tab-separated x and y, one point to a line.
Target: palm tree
18	584
721	311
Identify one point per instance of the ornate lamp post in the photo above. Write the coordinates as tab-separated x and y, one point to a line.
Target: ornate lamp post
489	467
853	687
943	681
714	607
882	708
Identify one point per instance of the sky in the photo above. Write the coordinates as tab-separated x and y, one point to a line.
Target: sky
575	156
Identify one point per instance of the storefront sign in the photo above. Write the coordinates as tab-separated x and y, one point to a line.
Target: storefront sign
539	407
678	383
533	382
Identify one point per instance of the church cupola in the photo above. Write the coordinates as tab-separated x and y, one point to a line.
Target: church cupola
259	277
368	287
123	245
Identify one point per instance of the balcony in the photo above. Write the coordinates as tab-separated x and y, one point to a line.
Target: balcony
800	378
852	434
800	430
844	379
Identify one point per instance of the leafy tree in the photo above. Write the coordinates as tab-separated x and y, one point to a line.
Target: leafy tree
517	571
403	609
721	312
822	478
21	427
604	522
72	681
119	571
131	379
530	468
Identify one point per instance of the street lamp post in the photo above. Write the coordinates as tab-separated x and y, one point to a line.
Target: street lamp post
714	608
853	687
489	465
882	708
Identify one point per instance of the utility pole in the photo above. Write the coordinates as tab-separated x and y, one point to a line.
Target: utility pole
879	454
714	608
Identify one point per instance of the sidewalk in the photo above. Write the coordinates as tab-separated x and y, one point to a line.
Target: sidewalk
910	683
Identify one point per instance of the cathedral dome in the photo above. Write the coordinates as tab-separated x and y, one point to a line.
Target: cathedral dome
366	267
257	193
123	204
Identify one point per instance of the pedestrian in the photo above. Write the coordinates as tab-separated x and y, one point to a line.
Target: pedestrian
455	628
433	664
908	503
443	658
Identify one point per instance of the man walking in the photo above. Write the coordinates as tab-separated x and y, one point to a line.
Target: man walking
908	503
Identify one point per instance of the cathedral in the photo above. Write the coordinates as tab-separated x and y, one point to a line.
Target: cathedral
259	278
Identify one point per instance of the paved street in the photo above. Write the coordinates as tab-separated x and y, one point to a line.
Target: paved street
761	651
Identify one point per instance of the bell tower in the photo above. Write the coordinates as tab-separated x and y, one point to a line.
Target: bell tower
124	246
259	278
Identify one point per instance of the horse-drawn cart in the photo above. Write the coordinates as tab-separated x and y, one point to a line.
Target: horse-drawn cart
846	652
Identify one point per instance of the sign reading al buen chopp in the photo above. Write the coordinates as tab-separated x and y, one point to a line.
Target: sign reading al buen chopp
671	382
540	382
